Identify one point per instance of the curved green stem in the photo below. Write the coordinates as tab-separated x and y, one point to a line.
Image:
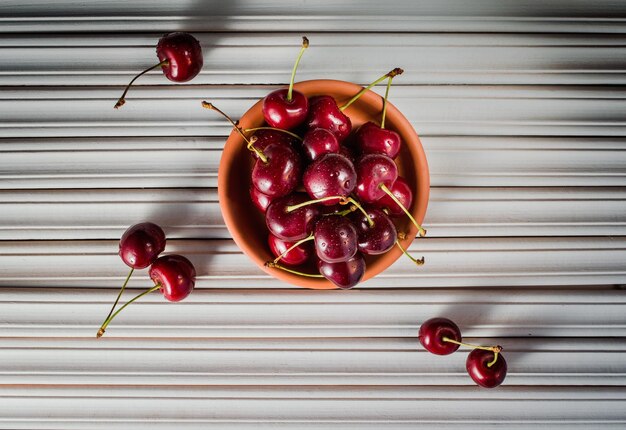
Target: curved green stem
305	44
344	201
249	144
495	349
294	135
359	207
382	120
298	243
273	265
421	231
395	72
108	320
122	100
419	262
132	269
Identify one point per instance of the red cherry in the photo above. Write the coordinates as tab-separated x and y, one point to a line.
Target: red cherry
282	172
260	200
180	57
294	225
298	255
344	274
372	139
282	113
433	331
330	175
402	191
286	108
318	142
335	238
377	238
141	244
183	54
477	366
176	276
324	113
265	137
373	171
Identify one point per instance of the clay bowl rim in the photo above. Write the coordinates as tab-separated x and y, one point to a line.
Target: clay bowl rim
341	91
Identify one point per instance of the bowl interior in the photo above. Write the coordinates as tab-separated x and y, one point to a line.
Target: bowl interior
247	224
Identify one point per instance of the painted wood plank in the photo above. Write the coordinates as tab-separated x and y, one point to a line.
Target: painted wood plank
101	59
195	213
469	262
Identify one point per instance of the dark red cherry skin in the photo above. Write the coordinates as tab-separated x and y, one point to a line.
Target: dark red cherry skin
335	239
141	244
175	274
299	255
345	274
295	225
433	331
184	54
402	191
282	113
376	239
371	139
324	113
266	137
318	142
282	172
373	170
483	375
260	200
347	152
329	175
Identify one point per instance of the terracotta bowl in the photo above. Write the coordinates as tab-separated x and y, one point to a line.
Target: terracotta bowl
247	224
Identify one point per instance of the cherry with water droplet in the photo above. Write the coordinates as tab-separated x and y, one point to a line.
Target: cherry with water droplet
376	232
318	142
295	256
330	175
335	239
295	224
344	274
280	174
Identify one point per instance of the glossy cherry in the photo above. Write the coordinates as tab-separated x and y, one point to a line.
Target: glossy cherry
376	238
141	244
324	113
297	255
318	142
280	174
291	225
260	200
180	57
175	275
483	370
370	138
330	175
373	171
287	108
347	152
344	274
432	333
335	239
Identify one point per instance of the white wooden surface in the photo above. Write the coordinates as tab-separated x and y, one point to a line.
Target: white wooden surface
521	107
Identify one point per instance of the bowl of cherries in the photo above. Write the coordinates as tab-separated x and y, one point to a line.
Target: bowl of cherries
323	184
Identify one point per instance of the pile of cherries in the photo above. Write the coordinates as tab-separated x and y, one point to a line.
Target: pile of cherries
326	202
172	274
485	364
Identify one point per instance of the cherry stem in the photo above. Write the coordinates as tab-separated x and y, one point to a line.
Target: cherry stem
109	319
132	269
382	120
249	144
419	262
421	231
343	201
345	212
294	135
298	243
395	72
122	100
495	349
305	44
273	265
